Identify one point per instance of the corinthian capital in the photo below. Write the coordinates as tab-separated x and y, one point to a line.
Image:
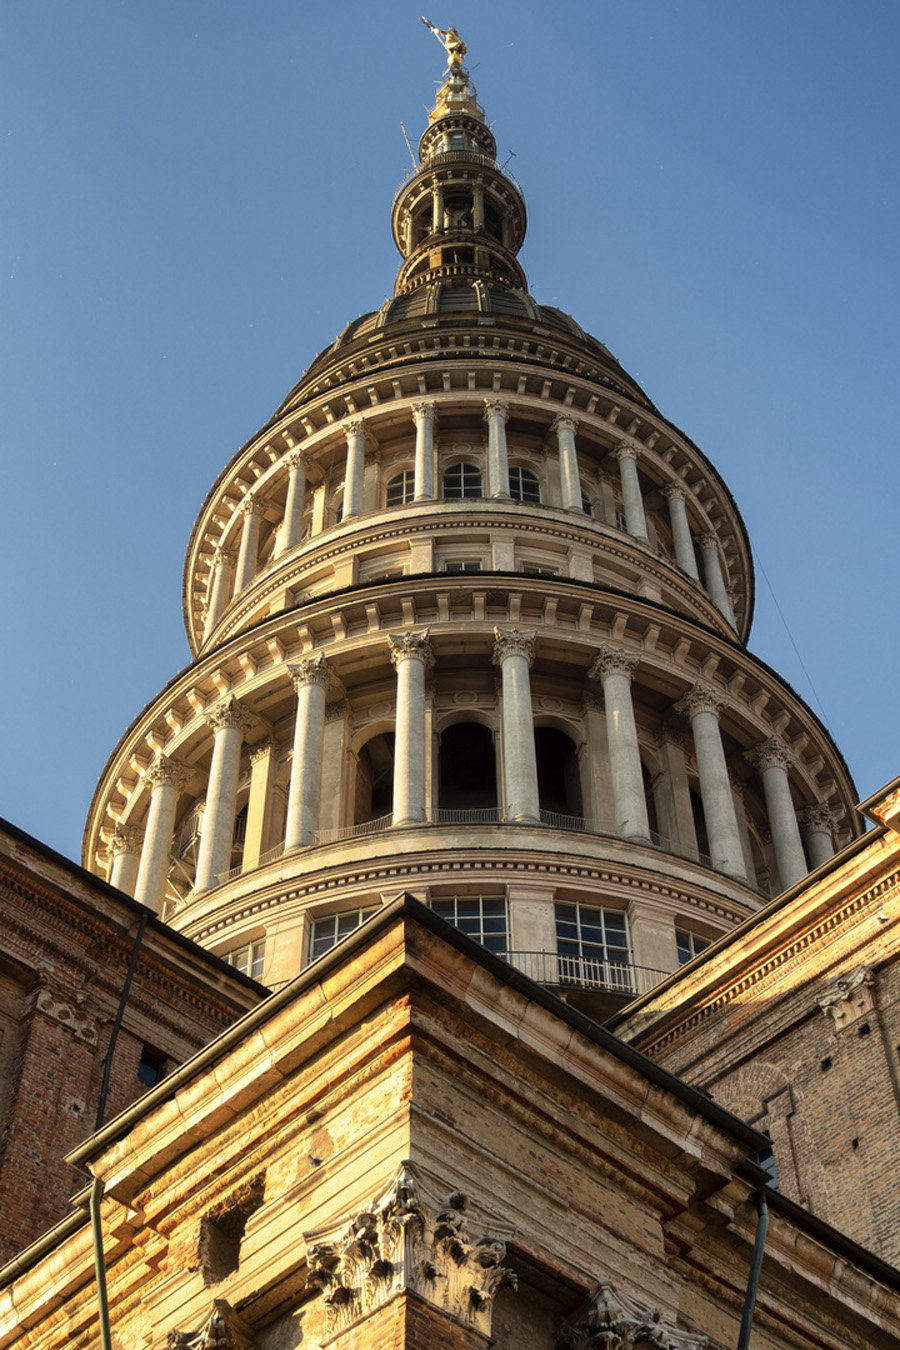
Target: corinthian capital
495	407
253	505
411	645
223	557
423	412
701	698
564	422
229	713
313	670
709	540
355	427
124	839
819	819
297	459
627	450
613	661
164	770
616	1320
513	643
223	1329
771	753
675	492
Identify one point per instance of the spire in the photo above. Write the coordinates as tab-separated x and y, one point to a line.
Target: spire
459	217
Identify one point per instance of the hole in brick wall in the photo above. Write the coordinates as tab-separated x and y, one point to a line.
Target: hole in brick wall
865	1030
152	1066
855	1144
222	1231
826	1064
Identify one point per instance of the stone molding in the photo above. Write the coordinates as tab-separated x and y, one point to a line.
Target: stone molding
513	643
404	1243
222	1330
771	753
616	1321
229	713
701	698
416	646
337	711
613	661
67	1011
849	998
262	750
312	670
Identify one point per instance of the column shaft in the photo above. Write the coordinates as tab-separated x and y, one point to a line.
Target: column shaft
495	414
165	778
217	834
249	549
772	760
818	834
356	441
311	682
615	667
219	589
411	656
423	415
297	463
632	500
513	652
570	480
681	530
263	760
125	849
714	577
703	706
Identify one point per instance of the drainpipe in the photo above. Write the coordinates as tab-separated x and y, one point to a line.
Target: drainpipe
120	1013
755	1268
99	1264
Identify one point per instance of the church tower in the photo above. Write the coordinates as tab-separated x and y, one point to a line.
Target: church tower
468	618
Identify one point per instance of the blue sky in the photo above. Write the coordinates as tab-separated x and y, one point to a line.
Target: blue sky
198	200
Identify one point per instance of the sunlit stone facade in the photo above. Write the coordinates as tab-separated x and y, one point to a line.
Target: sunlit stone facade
468	619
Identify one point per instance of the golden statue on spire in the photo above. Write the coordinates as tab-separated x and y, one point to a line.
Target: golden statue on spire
449	39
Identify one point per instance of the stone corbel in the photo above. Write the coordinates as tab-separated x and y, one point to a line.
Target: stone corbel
222	1330
403	1242
849	998
615	1321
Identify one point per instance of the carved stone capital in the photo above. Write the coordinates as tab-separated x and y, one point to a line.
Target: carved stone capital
297	459
411	645
124	839
709	540
701	698
564	422
229	713
771	753
262	750
337	711
615	1321
223	557
496	407
849	998
674	491
222	1330
613	661
401	1242
312	670
627	450
164	771
253	505
513	643
424	412
355	427
819	819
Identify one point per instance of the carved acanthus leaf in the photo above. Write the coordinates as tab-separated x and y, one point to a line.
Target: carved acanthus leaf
615	1321
222	1330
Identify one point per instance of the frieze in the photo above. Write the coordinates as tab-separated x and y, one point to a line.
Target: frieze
615	1320
403	1242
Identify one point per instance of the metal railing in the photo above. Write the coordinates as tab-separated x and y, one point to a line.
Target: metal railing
586	972
447	158
352	831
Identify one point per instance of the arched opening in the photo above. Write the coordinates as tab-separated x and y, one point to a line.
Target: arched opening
400	489
700	826
374	779
468	768
524	486
559	776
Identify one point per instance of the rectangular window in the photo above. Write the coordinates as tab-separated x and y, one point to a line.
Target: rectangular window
530	570
593	948
328	932
689	945
248	960
482	917
471	565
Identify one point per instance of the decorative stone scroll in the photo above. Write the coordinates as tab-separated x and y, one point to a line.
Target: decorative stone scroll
613	661
404	1243
849	998
513	643
615	1321
222	1330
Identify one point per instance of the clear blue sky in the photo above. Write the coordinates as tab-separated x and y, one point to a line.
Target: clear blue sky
197	199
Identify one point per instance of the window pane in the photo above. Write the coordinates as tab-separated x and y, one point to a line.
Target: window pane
328	932
401	488
482	917
462	480
524	486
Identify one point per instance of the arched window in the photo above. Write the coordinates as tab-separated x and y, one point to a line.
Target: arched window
468	768
400	489
524	486
462	480
559	778
375	779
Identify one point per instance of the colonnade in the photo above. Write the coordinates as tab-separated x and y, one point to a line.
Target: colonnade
230	573
143	863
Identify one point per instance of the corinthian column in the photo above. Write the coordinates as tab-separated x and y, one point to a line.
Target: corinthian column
310	679
253	510
297	464
514	653
818	831
125	851
353	474
164	778
496	413
570	481
423	416
714	576
676	495
228	721
703	705
632	501
220	586
772	759
615	668
411	656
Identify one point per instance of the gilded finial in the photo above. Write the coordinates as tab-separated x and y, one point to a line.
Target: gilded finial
450	40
